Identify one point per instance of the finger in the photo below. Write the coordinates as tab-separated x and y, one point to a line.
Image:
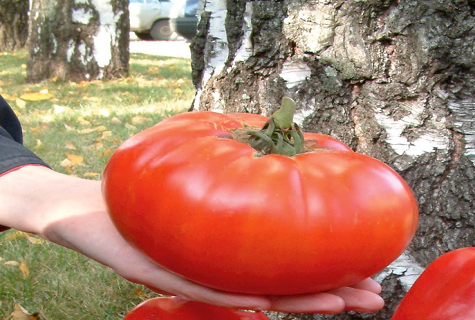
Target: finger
359	300
322	302
192	291
136	267
368	284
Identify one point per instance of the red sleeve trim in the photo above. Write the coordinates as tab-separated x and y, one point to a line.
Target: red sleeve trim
19	167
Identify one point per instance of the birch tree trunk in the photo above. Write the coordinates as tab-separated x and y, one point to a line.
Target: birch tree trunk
392	79
78	40
13	24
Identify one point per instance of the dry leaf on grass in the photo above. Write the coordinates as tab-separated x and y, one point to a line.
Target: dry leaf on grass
25	271
36	96
71	161
91	130
19	313
75	159
138	292
66	164
106	134
6	96
92	99
92	175
11	263
116	120
139	119
14	235
20	234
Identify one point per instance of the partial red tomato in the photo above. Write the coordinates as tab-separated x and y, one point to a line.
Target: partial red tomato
178	309
444	291
213	210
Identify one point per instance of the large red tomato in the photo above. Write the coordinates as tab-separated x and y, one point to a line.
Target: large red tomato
177	309
444	291
211	209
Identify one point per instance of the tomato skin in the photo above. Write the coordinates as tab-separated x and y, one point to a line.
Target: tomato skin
203	206
177	309
444	291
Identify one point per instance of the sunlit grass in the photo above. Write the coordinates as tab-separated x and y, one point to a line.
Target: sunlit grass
86	120
91	119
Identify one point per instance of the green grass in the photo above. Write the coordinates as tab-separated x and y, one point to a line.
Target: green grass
83	123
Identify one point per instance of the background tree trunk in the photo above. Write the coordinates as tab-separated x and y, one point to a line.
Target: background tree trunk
78	40
392	79
13	24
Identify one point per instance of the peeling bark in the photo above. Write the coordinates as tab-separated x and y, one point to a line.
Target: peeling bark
78	40
392	79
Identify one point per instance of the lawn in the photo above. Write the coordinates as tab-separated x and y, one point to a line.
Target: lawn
75	127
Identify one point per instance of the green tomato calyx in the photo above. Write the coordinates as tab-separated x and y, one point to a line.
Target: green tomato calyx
279	135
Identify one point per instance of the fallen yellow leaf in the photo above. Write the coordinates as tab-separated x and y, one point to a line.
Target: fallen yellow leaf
86	131
91	130
139	119
65	163
40	128
116	120
75	160
14	235
107	152
25	271
8	97
36	96
153	69
33	239
93	99
83	122
20	234
91	175
139	293
106	134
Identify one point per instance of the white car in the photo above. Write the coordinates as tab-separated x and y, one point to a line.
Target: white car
150	19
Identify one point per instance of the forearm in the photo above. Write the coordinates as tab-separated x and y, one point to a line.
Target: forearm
34	197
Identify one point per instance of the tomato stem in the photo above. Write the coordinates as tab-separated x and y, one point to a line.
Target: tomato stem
279	134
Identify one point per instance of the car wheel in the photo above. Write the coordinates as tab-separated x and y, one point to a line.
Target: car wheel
143	35
161	30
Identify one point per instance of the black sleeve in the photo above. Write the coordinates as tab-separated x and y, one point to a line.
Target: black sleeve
12	153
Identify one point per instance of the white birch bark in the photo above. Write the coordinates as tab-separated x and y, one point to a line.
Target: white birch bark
78	39
394	80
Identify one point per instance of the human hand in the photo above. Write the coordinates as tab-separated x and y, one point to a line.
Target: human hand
104	244
70	211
